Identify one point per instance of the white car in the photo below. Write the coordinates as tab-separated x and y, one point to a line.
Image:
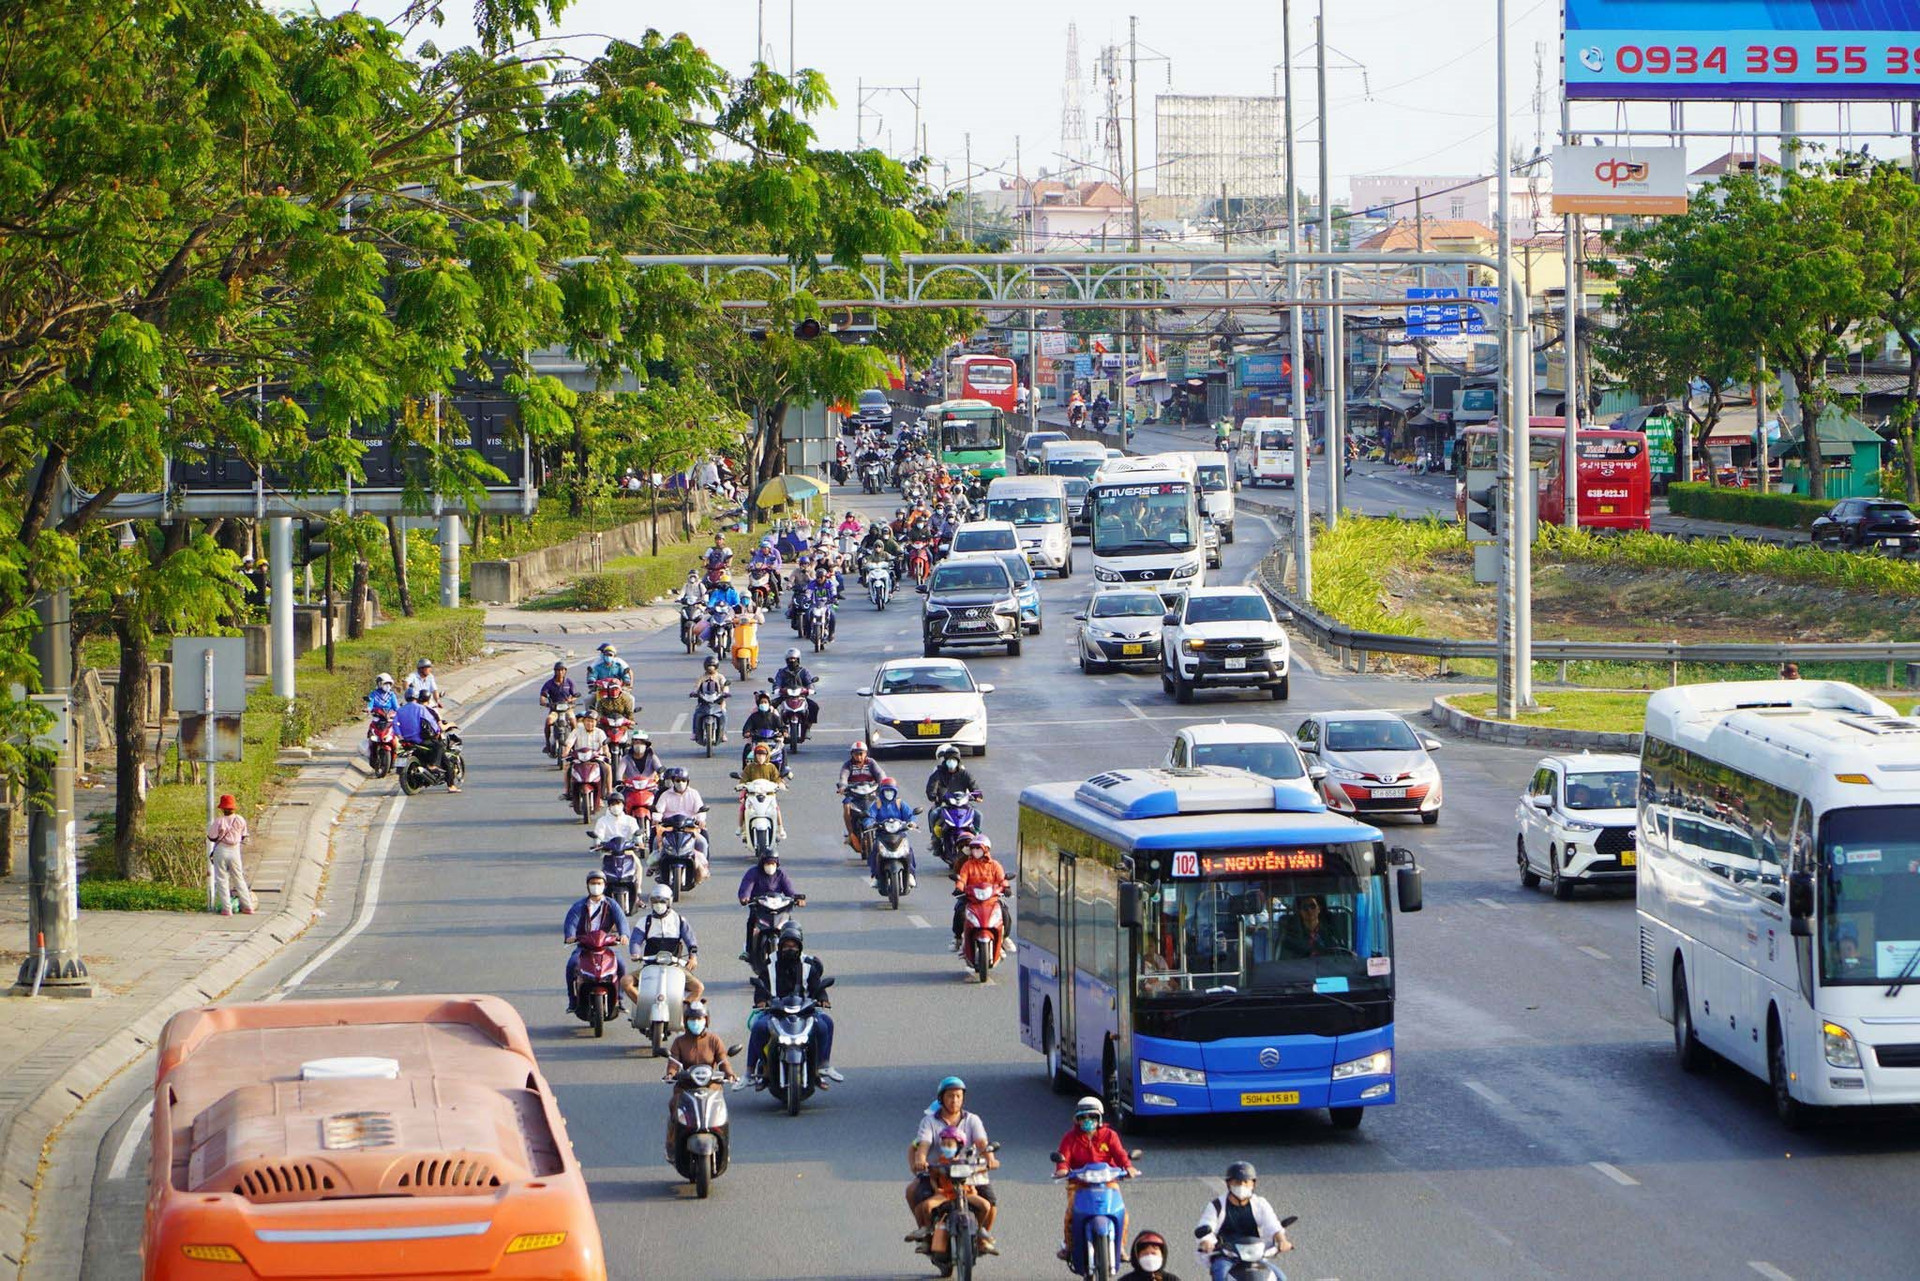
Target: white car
1376	763
984	536
1223	636
1265	750
925	702
1578	821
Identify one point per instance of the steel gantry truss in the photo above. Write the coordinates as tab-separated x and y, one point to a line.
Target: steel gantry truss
1215	280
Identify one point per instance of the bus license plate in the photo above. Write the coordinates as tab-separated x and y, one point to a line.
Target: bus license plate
1389	793
1628	858
1271	1099
928	729
1236	664
1130	650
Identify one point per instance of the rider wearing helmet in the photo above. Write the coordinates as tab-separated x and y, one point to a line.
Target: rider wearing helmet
594	912
793	676
664	929
978	869
859	771
763	725
1239	1215
422	678
888	805
1091	1141
791	971
586	739
949	775
680	798
693	591
947	1116
558	692
713	685
698	1046
383	698
610	664
1149	1259
764	877
760	769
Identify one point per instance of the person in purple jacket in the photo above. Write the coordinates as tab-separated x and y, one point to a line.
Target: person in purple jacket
765	877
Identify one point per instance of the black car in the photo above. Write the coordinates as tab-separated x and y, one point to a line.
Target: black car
1868	522
873	410
1035	442
971	603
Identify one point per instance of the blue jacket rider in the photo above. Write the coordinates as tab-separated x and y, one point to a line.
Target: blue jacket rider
383	698
595	911
724	595
887	804
610	664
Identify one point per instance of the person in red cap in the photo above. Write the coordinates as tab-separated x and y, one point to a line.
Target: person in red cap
224	836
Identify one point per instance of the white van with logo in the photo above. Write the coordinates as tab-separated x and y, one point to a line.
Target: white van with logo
1269	450
1214	471
1036	506
1075	462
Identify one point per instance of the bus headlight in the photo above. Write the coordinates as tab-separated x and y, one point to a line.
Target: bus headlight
1841	1051
1102	574
1185	571
1379	1063
1166	1074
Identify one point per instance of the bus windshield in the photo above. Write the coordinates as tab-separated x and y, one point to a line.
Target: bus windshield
1080	467
1269	934
972	433
1871	891
1039	510
990	377
1143	520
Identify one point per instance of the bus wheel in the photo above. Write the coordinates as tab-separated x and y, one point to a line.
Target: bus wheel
1110	1086
1686	1042
1346	1118
1793	1114
1056	1062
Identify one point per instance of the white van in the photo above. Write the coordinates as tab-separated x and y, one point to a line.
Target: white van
1269	450
1036	506
1214	471
1075	462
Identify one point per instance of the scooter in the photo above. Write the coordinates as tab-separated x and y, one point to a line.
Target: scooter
559	725
1249	1255
858	798
719	635
820	622
1098	1214
383	743
622	867
879	580
776	750
893	859
984	931
596	991
764	588
955	1221
662	988
871	476
674	865
586	777
636	798
792	1067
763	816
709	718
766	914
919	561
700	1145
690	612
955	814
793	713
416	774
619	732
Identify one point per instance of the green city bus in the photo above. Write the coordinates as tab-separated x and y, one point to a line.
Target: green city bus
970	433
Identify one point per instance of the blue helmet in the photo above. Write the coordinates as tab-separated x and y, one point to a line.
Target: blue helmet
950	1083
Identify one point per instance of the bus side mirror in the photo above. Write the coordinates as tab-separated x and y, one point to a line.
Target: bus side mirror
1800	902
1130	908
1407	888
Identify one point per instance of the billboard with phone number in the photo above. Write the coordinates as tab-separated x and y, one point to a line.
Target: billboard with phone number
1743	49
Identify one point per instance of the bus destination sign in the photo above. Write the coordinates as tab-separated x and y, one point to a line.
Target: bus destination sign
1262	863
1143	491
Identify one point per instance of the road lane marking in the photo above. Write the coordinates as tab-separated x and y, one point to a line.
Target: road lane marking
1485	1093
1129	705
680	723
919	922
1767	1270
1495	904
123	1155
1615	1173
1594	952
372	900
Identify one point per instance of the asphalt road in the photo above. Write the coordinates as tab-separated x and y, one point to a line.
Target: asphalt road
1544	1129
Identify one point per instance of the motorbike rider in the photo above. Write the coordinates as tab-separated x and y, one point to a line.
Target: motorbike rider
693	591
713	685
615	824
698	1046
383	698
586	739
765	877
849	526
417	723
858	770
594	912
642	763
879	541
887	804
949	775
680	798
899	522
1149	1259
722	595
763	725
718	556
1239	1214
948	1114
978	868
760	769
1090	1141
792	676
662	929
610	665
825	586
613	699
558	692
422	678
792	971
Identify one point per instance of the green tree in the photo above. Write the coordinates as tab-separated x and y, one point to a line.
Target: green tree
1884	206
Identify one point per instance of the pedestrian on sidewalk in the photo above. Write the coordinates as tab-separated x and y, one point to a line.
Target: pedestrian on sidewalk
225	835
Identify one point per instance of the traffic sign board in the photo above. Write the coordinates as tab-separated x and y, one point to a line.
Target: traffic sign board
1446	315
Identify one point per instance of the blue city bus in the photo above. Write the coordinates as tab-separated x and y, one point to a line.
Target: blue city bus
1169	960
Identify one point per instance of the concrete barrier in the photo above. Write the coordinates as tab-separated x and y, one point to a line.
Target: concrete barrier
1449	717
512	580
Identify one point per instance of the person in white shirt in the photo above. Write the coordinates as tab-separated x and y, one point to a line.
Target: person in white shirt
227	876
680	797
614	822
586	739
422	678
1237	1215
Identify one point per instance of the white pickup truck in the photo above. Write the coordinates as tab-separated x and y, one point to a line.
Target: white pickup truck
1223	636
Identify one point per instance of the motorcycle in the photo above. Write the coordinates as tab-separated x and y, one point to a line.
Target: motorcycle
700	1146
984	931
662	999
619	732
636	798
622	868
776	749
766	914
791	1070
383	743
674	865
416	774
720	631
955	814
820	622
793	713
849	542
596	991
879	580
1249	1255
858	800
919	561
690	612
955	1220
763	816
586	780
872	475
892	859
1098	1213
1076	415
709	718
559	725
764	588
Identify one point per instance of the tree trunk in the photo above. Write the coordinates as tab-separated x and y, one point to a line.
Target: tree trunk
397	544
653	512
577	494
773	453
1910	481
357	600
1811	407
129	745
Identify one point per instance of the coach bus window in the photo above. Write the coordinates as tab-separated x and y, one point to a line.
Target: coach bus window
1870	864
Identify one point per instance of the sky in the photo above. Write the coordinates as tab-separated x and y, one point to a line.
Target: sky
1412	82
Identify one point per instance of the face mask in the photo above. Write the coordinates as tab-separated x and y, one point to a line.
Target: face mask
948	1152
596	891
1240	1191
679	784
769	868
1088	1124
696	1026
949	764
1149	1262
660	909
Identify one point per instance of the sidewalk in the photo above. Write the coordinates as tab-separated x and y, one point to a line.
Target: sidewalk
1687	527
508	622
148	965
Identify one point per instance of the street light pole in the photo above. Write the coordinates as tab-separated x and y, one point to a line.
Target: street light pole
1333	328
1515	684
1302	516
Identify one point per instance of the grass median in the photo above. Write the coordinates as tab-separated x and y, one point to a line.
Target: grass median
637	580
1612	711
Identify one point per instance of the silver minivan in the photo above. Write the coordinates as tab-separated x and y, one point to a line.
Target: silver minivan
1036	506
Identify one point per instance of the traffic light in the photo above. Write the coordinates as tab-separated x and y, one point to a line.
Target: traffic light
1482	506
315	547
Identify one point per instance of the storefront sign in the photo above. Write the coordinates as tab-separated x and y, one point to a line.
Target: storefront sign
1628	180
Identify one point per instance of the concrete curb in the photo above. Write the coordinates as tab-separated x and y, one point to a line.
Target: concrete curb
1449	717
35	1129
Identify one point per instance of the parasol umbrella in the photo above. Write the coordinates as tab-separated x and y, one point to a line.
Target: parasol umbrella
787	489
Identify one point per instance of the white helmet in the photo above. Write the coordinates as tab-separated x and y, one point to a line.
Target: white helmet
384	678
1090	1106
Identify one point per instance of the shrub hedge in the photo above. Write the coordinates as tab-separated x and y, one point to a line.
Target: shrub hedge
1743	506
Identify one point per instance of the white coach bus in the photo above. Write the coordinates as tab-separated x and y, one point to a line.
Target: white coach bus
1779	886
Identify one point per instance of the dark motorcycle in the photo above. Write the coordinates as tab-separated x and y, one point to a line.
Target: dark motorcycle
791	1072
857	800
892	858
709	719
689	624
793	713
622	867
700	1145
596	992
765	915
416	773
674	865
956	814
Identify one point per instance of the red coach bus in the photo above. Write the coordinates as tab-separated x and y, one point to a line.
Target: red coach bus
393	1137
989	378
1615	478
